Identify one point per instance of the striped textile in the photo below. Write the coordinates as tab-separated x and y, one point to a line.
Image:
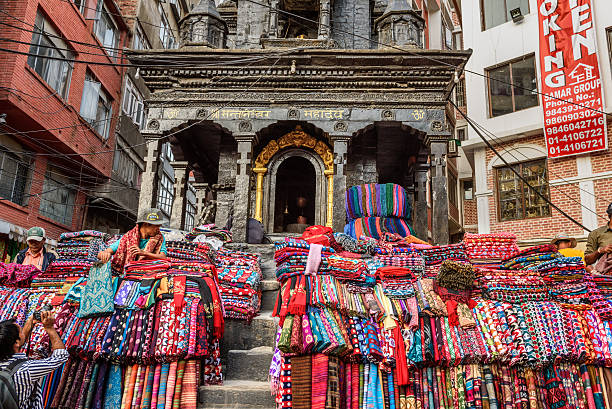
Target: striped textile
376	227
385	200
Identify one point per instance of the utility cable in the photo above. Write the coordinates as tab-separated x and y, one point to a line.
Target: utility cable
518	174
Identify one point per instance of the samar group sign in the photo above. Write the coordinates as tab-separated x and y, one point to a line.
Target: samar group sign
569	72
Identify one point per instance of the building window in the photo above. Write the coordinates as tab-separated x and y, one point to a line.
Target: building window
57	200
133	105
461	134
167	152
190	213
458	40
55	72
125	167
516	199
460	93
609	36
165	33
468	190
505	98
96	106
496	12
447	35
106	30
14	176
452	189
165	194
80	5
140	39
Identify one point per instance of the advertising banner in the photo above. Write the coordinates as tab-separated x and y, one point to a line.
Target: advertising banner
569	73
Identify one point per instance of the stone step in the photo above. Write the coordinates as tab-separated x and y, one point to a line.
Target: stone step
251	365
266	251
269	290
241	335
236	394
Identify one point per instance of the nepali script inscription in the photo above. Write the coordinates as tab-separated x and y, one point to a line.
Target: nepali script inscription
324	113
241	114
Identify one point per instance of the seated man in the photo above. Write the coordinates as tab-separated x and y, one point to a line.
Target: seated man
29	373
144	241
599	247
566	245
36	254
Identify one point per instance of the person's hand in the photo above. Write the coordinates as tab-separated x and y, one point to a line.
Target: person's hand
105	255
135	251
47	319
605	250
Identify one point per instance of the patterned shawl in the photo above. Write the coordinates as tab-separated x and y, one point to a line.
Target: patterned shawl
132	238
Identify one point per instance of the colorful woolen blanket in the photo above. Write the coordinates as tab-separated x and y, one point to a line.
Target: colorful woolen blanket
376	227
386	200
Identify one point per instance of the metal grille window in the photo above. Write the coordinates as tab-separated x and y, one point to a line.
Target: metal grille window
106	30
125	167
133	105
14	177
190	213
165	194
165	32
48	56
505	98
460	93
452	189
80	5
516	199
57	200
496	12
140	39
96	106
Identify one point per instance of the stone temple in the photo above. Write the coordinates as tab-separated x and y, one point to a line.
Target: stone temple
277	106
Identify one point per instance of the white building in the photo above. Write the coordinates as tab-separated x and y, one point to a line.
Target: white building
580	185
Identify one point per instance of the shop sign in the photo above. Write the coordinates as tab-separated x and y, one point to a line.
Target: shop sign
570	77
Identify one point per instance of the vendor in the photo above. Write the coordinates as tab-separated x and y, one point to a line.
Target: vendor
599	242
36	254
566	245
143	242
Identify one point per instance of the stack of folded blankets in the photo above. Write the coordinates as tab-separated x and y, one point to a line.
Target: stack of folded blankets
291	257
17	275
530	257
240	276
487	250
511	285
435	255
565	278
397	282
209	231
77	252
600	295
374	209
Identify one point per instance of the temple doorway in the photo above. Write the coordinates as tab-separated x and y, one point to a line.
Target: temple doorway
295	198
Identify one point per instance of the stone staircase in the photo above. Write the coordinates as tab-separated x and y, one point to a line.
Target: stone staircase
246	350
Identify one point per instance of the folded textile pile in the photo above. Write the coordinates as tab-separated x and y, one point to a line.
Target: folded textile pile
565	278
381	200
530	257
17	275
511	285
239	275
600	295
490	248
292	255
59	274
377	227
184	250
146	269
14	304
209	231
397	281
408	258
435	255
358	247
376	209
83	245
351	270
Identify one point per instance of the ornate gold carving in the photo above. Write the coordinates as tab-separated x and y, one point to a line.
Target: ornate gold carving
299	139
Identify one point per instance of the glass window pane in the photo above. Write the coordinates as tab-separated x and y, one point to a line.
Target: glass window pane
535	174
513	4
500	90
494	12
524	76
509	189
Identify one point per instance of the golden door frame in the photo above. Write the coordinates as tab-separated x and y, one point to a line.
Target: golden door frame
294	139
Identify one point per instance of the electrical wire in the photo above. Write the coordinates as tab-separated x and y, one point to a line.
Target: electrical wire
408	51
517	173
509	152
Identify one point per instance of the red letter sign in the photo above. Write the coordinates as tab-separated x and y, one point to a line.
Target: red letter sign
569	73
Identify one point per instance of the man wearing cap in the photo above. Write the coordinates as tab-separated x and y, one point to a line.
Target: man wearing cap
143	242
36	254
599	243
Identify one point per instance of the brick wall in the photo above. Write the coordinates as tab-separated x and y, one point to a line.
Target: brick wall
39	108
470	212
565	196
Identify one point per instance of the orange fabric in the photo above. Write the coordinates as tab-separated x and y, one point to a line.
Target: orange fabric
33	260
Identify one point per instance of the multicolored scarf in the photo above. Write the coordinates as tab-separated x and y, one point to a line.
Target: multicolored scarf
132	238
